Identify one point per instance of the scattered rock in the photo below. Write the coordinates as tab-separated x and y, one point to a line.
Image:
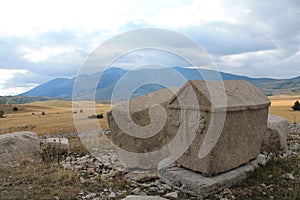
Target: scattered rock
288	176
286	154
112	195
227	191
295	147
90	195
82	180
90	171
140	183
165	187
172	195
57	146
138	191
275	139
142	176
135	197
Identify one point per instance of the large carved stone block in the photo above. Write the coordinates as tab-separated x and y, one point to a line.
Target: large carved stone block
230	134
208	126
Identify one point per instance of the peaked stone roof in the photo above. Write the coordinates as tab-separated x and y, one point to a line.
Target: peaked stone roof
213	96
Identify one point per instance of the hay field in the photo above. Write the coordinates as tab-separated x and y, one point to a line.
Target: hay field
58	117
281	106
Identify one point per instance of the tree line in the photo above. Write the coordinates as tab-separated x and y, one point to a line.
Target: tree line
20	99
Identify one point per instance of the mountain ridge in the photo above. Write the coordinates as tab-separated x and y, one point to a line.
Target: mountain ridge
62	88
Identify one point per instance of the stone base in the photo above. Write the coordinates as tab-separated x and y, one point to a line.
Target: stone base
199	185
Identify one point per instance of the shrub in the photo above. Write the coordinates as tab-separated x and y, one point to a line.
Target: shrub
1	113
98	116
296	106
15	109
43	113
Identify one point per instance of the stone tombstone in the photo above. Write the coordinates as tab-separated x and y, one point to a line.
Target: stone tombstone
240	138
194	121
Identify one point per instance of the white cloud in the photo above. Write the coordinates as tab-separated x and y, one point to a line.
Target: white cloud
7	74
33	16
44	53
278	63
199	12
51	38
16	90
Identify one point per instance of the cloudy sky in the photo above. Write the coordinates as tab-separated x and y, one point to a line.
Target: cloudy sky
42	40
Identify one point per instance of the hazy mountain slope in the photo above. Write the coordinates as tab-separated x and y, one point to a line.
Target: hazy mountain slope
57	88
278	86
124	81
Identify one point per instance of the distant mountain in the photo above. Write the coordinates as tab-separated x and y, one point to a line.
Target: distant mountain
62	88
278	86
57	88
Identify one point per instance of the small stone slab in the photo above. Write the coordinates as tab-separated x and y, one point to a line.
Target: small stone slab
57	146
142	176
137	197
275	139
199	185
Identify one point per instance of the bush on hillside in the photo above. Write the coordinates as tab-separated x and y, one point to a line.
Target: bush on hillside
98	116
296	106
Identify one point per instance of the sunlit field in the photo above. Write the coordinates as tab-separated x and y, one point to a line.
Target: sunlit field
281	106
48	117
56	116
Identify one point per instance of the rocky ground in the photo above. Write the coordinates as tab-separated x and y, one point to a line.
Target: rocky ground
101	176
106	167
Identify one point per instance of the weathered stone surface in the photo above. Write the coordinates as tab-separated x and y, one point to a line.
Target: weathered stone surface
288	176
141	128
137	111
137	197
142	176
19	147
194	130
57	146
275	139
245	114
197	184
172	195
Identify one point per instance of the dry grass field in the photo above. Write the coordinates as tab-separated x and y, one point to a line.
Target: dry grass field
57	118
281	106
